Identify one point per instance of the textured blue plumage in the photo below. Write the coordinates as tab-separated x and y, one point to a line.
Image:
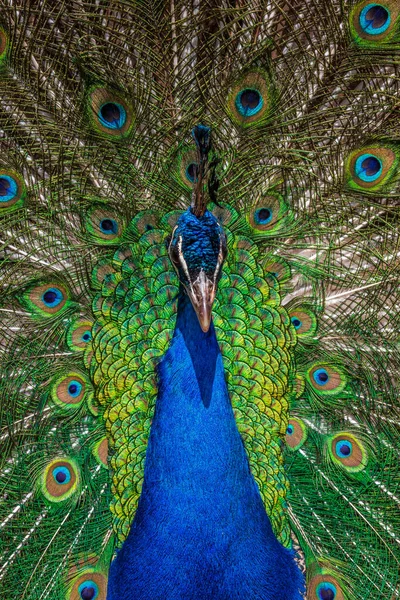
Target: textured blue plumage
200	531
200	239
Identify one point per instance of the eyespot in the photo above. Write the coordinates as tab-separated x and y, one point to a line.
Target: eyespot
374	22
326	379
88	590
12	191
91	585
324	587
46	299
109	226
368	167
321	377
104	226
296	433
145	220
371	167
191	172
3	45
304	321
79	335
60	480
374	19
326	591
277	267
187	167
69	390
270	214
100	452
251	99
263	216
249	102
110	113
52	297
348	451
62	475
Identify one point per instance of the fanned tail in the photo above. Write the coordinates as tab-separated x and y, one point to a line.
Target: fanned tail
97	105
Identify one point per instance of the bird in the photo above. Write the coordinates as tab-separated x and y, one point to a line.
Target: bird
199	210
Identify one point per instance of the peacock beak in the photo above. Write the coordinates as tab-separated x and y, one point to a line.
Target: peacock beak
202	294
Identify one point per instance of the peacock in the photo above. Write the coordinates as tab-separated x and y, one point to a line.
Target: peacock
199	213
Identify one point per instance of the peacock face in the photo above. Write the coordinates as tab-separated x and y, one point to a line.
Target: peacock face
197	250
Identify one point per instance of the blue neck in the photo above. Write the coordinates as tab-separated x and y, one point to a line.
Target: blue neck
200	531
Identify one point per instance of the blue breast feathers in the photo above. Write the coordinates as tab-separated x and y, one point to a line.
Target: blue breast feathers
200	531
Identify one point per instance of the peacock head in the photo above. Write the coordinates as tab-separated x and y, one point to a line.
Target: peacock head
197	250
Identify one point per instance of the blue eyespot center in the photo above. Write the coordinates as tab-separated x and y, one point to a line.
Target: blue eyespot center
74	388
321	376
263	216
87	336
8	188
88	590
112	115
368	167
249	102
191	172
52	297
326	591
344	448
374	19
62	475
289	429
296	322
109	226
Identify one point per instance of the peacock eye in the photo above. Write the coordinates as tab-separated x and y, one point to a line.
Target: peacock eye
224	247
191	172
88	590
112	115
249	102
174	255
374	19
